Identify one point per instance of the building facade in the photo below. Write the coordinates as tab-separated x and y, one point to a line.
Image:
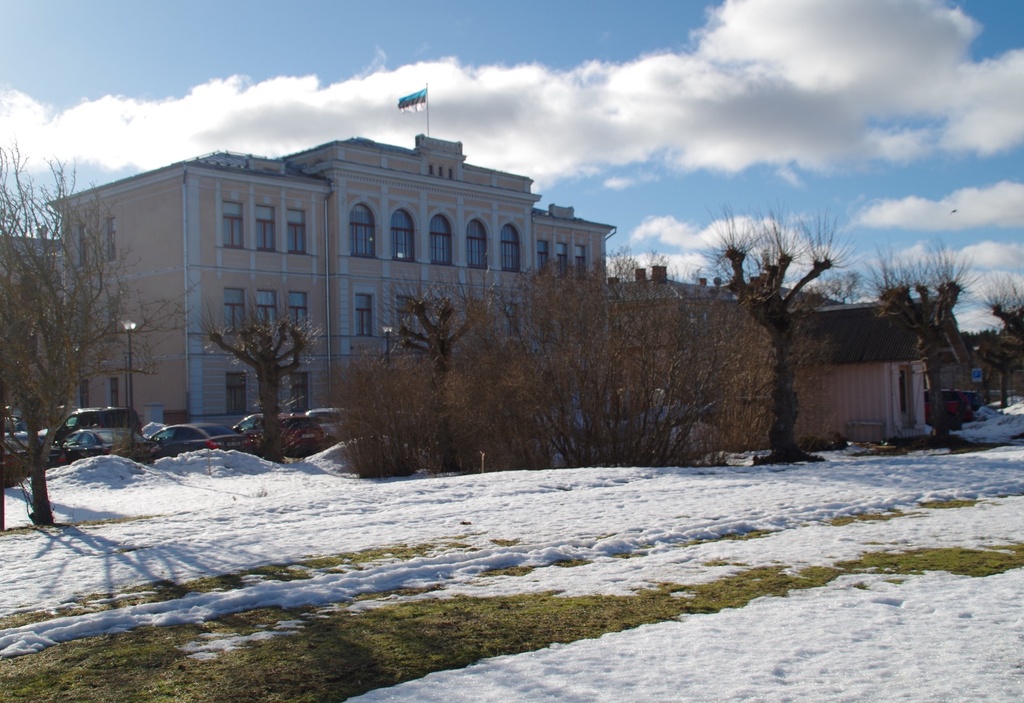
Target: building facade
337	233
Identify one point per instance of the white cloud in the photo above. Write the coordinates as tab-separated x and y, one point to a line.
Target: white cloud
999	205
796	85
996	255
668	231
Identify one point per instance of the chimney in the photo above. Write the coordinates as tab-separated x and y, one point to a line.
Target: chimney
613	280
659	274
703	282
641	274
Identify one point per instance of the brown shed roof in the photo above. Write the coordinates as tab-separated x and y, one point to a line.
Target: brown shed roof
859	335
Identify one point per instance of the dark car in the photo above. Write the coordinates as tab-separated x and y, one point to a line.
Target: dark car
300	435
177	439
89	418
97	442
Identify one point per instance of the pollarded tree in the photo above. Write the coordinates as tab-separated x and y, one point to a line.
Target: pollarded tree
433	321
62	298
1006	302
920	292
1000	354
272	343
769	261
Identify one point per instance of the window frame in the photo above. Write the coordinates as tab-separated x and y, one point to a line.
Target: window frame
296	231
580	259
403	238
476	244
510	253
235	394
440	240
543	254
232	225
110	236
234	310
562	257
361	232
266	305
266	217
363	315
298	308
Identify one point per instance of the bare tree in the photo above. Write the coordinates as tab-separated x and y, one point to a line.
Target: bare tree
919	293
1000	355
271	343
62	298
433	321
1006	302
770	260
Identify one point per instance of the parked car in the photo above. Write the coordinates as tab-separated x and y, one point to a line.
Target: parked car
178	439
99	441
958	406
301	435
88	418
329	418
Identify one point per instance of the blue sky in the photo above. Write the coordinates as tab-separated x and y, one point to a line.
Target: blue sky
649	116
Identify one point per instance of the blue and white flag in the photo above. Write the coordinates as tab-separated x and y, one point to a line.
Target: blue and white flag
413	103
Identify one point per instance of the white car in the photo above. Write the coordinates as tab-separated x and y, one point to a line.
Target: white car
329	418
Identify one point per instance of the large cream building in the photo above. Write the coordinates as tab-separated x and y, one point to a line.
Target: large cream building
336	233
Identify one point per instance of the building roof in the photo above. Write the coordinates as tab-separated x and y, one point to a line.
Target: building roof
858	334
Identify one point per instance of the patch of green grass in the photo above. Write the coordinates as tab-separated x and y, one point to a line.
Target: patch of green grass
505	542
955	560
510	571
939	504
169	590
865	517
338	654
753	534
569	563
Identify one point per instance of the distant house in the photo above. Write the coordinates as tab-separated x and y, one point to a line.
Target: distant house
872	386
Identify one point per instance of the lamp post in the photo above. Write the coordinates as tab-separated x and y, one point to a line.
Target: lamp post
387	330
129	327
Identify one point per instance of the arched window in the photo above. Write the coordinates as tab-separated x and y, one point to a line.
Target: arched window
440	240
361	228
402	235
476	244
509	248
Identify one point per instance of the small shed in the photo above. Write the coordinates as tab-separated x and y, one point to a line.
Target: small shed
873	382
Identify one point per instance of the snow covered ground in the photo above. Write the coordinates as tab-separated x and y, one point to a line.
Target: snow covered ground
864	638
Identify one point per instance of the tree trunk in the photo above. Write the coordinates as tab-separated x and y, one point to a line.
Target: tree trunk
269	386
940	420
42	512
782	434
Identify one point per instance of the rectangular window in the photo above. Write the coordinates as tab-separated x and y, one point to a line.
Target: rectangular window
234	307
235	387
266	305
364	315
83	245
299	393
115	396
111	239
265	228
83	394
543	254
562	257
298	305
232	225
296	231
581	259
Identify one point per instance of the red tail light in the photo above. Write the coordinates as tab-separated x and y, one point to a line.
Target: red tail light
210	444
